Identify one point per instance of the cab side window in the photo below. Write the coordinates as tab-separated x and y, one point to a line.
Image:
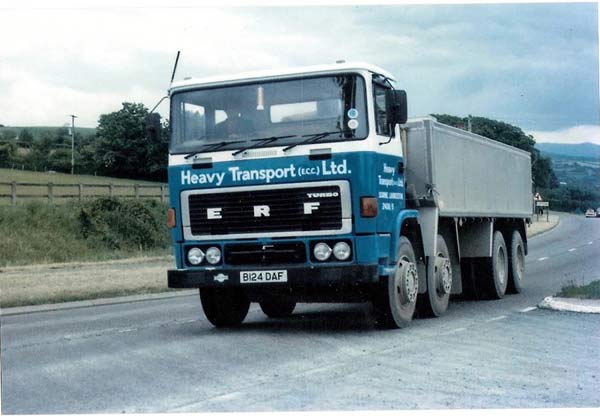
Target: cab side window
381	119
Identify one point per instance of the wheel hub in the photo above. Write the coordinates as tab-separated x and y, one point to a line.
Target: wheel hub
407	282
443	272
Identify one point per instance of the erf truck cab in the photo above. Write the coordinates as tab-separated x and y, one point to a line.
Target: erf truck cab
310	185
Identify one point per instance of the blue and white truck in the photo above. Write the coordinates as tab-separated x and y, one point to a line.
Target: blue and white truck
310	185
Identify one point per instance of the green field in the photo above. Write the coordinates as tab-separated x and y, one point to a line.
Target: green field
122	187
10	175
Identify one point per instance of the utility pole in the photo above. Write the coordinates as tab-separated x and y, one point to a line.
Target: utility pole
469	128
73	117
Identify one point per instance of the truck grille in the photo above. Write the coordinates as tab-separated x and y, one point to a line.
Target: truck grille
269	210
272	210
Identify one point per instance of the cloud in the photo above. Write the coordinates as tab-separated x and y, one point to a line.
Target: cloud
534	65
576	134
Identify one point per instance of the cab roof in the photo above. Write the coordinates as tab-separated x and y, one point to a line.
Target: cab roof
273	74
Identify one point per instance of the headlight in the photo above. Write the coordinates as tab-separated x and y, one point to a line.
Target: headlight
213	255
195	256
322	251
341	250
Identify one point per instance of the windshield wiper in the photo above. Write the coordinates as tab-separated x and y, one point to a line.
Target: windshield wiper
315	137
212	146
261	142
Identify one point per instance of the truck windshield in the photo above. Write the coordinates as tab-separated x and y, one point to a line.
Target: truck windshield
234	116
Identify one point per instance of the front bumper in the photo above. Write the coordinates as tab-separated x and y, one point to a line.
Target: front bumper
298	277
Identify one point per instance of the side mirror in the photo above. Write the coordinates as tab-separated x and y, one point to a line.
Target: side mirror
153	126
396	107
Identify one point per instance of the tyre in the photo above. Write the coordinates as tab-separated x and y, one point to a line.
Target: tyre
516	262
278	307
439	282
495	269
224	307
395	303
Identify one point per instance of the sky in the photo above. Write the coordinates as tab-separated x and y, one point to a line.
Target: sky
532	65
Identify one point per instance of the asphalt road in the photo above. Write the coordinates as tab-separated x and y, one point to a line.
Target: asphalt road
163	356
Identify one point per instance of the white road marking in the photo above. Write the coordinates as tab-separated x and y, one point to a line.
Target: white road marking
572	249
497	318
543	258
453	331
529	309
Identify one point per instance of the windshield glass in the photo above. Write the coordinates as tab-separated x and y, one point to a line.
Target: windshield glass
235	115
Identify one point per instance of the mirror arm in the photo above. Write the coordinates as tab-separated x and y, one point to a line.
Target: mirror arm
158	103
392	135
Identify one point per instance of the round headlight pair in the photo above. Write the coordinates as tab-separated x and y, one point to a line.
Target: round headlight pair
196	256
341	251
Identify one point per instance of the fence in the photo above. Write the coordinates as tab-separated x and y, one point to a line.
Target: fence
14	191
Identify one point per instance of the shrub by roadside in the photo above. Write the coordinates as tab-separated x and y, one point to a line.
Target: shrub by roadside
119	224
573	290
98	229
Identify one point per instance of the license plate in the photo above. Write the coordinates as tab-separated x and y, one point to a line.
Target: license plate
263	276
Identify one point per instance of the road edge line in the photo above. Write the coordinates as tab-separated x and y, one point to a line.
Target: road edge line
554	227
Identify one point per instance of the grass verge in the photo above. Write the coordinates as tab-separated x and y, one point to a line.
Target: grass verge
586	291
55	283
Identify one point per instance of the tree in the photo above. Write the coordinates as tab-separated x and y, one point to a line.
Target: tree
62	136
124	150
25	138
6	153
38	157
60	160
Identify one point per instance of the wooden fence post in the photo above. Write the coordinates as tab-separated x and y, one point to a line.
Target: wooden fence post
110	190
162	193
50	193
13	191
136	189
80	191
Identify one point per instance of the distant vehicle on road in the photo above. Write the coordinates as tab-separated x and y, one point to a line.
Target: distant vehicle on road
590	213
310	185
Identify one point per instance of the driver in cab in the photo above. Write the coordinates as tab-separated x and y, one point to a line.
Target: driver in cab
234	126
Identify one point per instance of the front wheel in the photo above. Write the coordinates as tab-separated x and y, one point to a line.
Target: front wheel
395	303
224	307
278	308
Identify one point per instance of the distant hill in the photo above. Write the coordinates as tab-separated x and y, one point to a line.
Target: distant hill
580	150
575	164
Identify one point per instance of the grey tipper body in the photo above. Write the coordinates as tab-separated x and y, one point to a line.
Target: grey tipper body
465	174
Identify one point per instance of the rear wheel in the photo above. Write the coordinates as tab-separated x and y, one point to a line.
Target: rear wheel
395	303
495	269
224	307
516	261
278	307
439	282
